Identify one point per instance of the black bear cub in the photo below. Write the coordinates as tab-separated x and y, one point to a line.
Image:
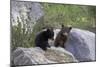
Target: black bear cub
41	39
62	36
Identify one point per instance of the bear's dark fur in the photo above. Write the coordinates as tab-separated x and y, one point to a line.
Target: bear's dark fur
62	36
41	39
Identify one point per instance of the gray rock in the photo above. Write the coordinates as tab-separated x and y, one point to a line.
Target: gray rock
32	56
27	13
81	44
33	10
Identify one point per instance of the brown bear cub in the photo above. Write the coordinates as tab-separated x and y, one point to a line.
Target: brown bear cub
62	36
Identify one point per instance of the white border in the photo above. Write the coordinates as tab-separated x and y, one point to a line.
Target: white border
84	2
5	33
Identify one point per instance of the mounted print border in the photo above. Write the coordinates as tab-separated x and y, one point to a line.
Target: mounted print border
52	33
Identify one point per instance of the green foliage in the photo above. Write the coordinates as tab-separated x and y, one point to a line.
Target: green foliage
20	37
76	15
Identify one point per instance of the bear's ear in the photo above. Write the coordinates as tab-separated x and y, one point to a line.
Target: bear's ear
69	29
62	26
48	30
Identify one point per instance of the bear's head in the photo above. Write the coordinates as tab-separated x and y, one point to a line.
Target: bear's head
50	33
65	30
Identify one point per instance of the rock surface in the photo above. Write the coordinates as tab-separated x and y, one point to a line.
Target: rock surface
27	10
81	44
33	56
26	13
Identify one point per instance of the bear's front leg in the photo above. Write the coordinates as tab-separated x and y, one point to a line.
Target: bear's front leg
47	44
44	48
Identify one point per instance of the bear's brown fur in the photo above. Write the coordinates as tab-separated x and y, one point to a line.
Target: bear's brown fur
62	36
